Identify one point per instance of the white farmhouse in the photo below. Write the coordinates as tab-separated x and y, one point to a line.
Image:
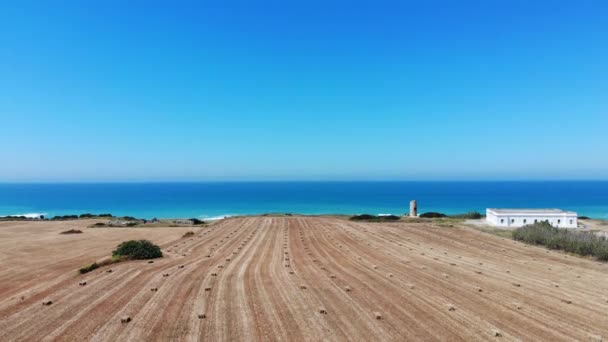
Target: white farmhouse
521	217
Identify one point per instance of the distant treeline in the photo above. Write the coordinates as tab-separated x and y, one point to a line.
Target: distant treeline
81	216
389	218
473	215
374	218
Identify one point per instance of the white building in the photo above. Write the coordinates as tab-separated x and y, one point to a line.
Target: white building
521	217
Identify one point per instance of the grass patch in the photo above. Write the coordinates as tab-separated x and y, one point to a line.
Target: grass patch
505	233
581	243
71	231
374	218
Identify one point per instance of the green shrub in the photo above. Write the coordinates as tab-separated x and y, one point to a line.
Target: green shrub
581	243
188	234
197	221
432	215
138	249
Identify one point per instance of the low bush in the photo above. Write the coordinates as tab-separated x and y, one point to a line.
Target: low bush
88	268
71	231
96	265
581	243
188	234
138	249
374	218
197	221
432	214
98	224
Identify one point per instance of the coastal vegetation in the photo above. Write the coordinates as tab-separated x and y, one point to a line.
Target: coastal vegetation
188	234
581	243
375	218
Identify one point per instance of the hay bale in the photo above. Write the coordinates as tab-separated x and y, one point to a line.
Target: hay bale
323	311
151	262
375	267
202	316
180	266
207	289
445	275
411	286
517	284
214	274
495	333
303	287
567	301
451	307
47	302
109	271
347	288
594	338
517	306
378	315
82	283
125	319
390	275
479	289
166	275
292	272
154	289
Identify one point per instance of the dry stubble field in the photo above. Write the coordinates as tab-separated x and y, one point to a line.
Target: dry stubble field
296	278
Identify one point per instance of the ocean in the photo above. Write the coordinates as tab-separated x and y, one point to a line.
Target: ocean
211	200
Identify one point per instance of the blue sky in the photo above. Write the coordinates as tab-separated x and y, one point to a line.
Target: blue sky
306	90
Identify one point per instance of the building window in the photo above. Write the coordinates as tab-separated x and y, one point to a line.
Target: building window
570	221
525	221
559	221
535	221
502	220
512	220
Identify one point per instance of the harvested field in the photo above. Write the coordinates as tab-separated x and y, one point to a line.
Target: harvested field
345	280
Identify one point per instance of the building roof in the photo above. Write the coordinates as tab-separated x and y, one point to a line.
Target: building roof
524	211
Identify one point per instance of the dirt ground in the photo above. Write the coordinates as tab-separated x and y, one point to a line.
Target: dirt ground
296	278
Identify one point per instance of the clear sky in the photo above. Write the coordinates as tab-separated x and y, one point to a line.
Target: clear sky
307	90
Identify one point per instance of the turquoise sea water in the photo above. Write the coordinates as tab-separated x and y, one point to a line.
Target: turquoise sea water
206	200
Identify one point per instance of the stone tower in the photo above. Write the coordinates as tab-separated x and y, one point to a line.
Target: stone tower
413	208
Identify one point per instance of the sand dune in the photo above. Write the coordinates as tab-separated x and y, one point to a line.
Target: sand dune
296	278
